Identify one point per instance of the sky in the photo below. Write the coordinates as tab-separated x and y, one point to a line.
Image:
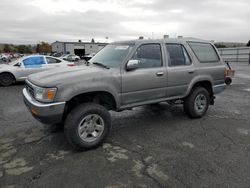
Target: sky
32	21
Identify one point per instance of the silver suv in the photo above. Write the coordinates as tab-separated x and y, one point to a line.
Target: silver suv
121	76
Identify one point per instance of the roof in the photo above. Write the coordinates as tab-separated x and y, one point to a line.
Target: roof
169	40
100	43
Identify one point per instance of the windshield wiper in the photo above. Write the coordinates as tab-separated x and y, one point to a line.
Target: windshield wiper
101	65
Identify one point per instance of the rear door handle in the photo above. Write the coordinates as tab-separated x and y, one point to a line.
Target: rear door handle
159	73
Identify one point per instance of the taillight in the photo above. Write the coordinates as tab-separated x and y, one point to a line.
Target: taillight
225	73
71	65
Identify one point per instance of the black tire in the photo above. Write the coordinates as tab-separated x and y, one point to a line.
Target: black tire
6	79
75	118
190	105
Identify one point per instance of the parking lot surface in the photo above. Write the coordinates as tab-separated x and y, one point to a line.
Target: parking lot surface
150	146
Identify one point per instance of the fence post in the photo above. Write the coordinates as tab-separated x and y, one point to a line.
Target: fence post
249	59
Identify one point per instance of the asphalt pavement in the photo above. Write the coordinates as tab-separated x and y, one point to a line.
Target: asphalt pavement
149	146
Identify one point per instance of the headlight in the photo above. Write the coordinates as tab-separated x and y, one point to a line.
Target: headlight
45	94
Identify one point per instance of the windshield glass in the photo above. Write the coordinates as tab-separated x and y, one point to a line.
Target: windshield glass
112	55
15	61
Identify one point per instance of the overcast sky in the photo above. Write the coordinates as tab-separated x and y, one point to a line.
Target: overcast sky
31	21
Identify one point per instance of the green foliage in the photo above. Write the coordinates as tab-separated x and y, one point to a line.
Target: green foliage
24	49
7	48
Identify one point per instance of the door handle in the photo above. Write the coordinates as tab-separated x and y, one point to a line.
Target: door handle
159	73
191	71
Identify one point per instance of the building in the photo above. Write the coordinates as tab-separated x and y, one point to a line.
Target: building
78	48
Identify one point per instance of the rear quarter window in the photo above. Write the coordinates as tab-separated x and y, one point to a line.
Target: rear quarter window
205	52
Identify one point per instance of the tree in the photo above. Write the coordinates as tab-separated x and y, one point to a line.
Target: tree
7	48
24	49
43	47
92	40
248	44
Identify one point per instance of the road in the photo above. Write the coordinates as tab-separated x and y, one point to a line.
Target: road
150	146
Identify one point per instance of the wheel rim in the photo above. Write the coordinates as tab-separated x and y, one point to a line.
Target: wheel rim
200	103
91	128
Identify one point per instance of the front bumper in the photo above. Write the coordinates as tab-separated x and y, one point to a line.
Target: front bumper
50	113
219	88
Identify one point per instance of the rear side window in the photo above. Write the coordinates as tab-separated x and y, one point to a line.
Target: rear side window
205	52
35	62
178	55
149	56
51	60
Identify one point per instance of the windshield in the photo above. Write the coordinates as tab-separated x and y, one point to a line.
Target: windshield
15	62
112	55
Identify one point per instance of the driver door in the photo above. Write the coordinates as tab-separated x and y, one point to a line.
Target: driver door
149	80
31	65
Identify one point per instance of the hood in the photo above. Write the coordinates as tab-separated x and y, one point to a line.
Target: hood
66	75
4	66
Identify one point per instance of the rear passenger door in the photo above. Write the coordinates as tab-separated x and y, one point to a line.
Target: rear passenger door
149	80
181	69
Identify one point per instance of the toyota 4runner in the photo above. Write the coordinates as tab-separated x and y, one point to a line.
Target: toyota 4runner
121	76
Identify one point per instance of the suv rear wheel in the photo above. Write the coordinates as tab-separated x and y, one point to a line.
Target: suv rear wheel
196	104
87	126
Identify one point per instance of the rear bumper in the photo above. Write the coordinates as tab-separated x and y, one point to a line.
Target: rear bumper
219	88
50	113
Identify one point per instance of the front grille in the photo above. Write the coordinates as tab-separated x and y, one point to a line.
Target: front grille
30	89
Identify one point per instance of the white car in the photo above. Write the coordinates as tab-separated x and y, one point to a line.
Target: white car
20	69
70	57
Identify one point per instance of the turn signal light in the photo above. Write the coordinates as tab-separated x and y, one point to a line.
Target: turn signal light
51	94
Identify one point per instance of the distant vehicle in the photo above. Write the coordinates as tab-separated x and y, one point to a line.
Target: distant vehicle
88	56
70	57
5	58
20	69
55	54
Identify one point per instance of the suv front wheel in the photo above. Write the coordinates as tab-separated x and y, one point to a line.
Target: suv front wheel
87	126
196	104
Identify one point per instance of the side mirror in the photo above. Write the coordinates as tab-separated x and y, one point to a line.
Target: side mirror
18	64
132	65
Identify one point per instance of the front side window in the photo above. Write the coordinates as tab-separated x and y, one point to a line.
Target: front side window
178	55
33	62
148	55
51	60
205	52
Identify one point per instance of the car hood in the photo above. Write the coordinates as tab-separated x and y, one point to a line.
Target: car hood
66	75
4	65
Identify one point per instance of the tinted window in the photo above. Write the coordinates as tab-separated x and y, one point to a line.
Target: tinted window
51	60
149	55
205	52
178	55
33	62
